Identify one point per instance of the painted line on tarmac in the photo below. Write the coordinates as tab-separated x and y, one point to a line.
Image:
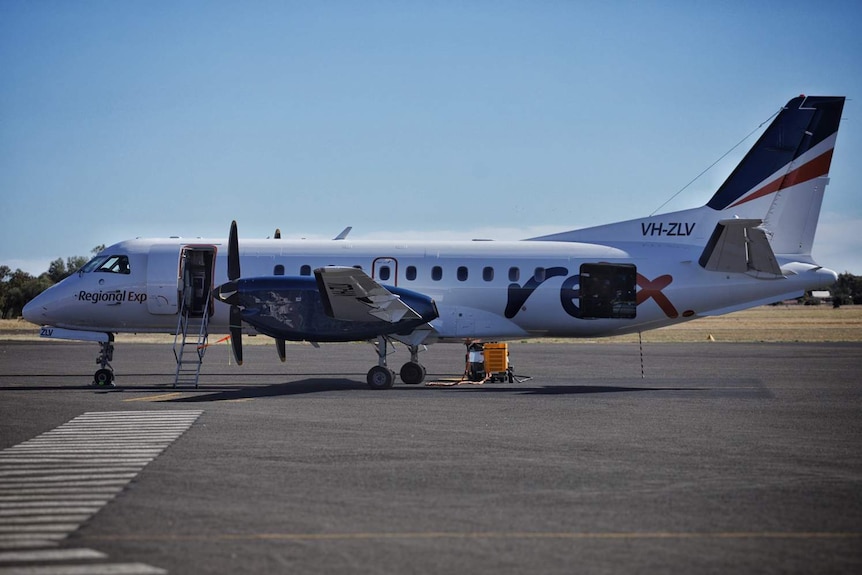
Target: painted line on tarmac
562	535
162	397
89	569
50	555
51	484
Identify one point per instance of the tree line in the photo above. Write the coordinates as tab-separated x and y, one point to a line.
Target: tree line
19	287
847	290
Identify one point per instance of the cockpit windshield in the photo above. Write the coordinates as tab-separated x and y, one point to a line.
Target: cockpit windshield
109	264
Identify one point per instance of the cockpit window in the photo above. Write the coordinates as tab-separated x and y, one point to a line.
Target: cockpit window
109	264
93	264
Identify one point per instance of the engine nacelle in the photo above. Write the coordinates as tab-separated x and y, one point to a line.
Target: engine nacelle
291	308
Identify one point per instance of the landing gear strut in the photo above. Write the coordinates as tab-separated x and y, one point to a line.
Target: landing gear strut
381	377
104	376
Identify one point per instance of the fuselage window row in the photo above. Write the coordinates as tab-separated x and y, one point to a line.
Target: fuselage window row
411	273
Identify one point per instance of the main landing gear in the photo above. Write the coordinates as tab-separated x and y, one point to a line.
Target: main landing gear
104	376
381	377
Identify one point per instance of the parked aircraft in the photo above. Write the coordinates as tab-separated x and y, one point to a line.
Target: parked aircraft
749	245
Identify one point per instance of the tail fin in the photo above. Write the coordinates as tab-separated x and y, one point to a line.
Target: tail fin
781	180
780	183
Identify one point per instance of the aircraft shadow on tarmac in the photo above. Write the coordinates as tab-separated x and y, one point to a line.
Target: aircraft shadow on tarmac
745	388
321	385
299	387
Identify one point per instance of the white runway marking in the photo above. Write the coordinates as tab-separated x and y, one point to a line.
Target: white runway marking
49	555
53	483
104	569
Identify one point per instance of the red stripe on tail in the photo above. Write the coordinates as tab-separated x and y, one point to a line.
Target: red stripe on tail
817	167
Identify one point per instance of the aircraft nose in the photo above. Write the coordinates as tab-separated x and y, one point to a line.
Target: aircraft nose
35	311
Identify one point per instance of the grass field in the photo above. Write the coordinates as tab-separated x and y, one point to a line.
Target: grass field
762	324
766	324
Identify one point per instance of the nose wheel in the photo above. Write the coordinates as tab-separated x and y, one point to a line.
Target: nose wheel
104	376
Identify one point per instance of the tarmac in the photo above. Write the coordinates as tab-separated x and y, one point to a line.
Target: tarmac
742	458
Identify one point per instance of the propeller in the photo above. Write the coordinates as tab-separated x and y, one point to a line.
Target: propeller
233	253
236	333
228	292
279	343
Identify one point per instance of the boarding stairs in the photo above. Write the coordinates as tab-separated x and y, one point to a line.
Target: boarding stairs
190	343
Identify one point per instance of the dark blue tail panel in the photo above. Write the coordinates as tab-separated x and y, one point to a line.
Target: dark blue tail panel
802	124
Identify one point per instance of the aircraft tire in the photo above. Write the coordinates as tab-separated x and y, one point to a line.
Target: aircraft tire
412	373
103	377
380	377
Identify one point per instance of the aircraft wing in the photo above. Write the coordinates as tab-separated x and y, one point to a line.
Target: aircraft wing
738	246
349	294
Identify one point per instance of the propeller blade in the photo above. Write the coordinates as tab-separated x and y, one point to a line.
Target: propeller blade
279	345
236	333
233	273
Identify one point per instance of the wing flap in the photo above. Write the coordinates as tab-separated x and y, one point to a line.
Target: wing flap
349	294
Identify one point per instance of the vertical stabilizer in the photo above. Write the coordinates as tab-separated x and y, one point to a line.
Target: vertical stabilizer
782	179
779	184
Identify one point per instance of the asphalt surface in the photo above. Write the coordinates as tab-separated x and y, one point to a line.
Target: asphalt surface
725	458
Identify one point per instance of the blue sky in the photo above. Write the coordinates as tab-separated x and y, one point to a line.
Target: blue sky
453	120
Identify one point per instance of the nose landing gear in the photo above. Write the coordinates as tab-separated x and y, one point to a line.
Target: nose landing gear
104	376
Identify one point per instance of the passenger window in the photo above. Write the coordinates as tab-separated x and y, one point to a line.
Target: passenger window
305	270
514	274
436	273
462	273
383	275
410	273
278	270
539	274
488	274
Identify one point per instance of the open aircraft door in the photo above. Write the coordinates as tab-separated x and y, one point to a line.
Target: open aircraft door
197	268
172	275
163	280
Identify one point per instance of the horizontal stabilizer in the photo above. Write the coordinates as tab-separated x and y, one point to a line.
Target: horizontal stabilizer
739	246
349	294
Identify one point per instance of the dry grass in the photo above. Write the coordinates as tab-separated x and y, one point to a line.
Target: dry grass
768	324
765	324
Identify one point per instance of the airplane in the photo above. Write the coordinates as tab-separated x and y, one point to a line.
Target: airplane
749	245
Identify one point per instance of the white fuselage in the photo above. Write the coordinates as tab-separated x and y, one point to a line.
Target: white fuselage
483	289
